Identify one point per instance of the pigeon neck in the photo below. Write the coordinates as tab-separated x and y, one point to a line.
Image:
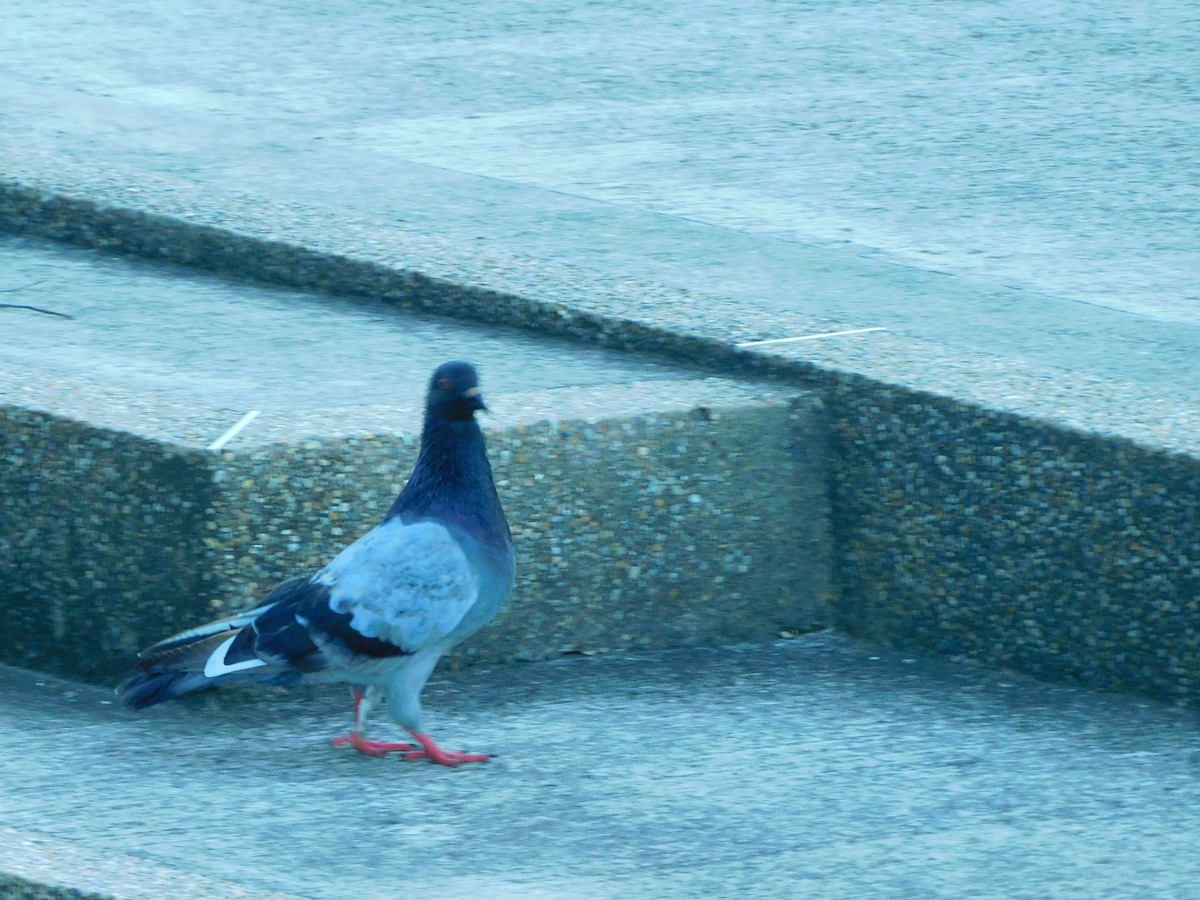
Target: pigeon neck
452	480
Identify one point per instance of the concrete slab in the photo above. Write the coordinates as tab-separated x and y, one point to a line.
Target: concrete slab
981	181
945	171
208	342
633	486
818	766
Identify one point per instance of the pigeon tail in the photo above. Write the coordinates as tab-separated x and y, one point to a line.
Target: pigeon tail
149	688
183	665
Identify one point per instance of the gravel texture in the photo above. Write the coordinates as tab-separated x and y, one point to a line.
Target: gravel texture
1010	472
671	514
631	315
977	532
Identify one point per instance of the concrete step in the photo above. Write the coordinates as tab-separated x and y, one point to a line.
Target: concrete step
819	766
652	504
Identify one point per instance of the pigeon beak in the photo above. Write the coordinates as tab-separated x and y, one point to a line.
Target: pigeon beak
476	398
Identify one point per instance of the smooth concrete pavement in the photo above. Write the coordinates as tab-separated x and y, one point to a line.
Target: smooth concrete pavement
818	767
1008	178
200	340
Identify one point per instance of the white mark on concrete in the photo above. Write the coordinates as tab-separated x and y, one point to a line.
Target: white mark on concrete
233	432
808	337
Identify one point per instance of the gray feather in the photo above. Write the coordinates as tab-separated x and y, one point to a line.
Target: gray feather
409	585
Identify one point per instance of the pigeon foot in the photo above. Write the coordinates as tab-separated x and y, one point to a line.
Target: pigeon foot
372	748
431	751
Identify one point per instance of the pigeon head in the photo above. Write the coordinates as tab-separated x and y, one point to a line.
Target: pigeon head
454	391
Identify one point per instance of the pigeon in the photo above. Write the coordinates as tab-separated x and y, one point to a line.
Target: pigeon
379	616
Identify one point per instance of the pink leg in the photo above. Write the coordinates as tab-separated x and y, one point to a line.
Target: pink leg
435	754
371	748
361	744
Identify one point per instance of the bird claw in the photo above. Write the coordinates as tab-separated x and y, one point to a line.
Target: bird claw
426	749
431	751
451	758
372	748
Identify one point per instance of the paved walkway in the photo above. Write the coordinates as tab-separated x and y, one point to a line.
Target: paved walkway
819	767
199	339
1007	177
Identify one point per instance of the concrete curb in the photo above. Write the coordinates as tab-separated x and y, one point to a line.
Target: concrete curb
1048	521
703	525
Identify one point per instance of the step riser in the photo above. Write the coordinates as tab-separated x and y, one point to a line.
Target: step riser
659	531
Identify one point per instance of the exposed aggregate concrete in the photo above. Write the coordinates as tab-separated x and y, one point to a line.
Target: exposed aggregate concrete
979	533
635	527
1146	438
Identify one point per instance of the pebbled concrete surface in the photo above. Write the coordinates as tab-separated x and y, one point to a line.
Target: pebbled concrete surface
819	766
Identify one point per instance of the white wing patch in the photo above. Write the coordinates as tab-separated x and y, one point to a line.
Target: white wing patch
216	666
404	584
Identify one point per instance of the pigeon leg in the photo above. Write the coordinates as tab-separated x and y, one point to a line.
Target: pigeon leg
364	702
371	748
435	754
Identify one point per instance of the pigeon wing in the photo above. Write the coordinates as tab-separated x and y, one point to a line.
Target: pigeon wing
405	585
